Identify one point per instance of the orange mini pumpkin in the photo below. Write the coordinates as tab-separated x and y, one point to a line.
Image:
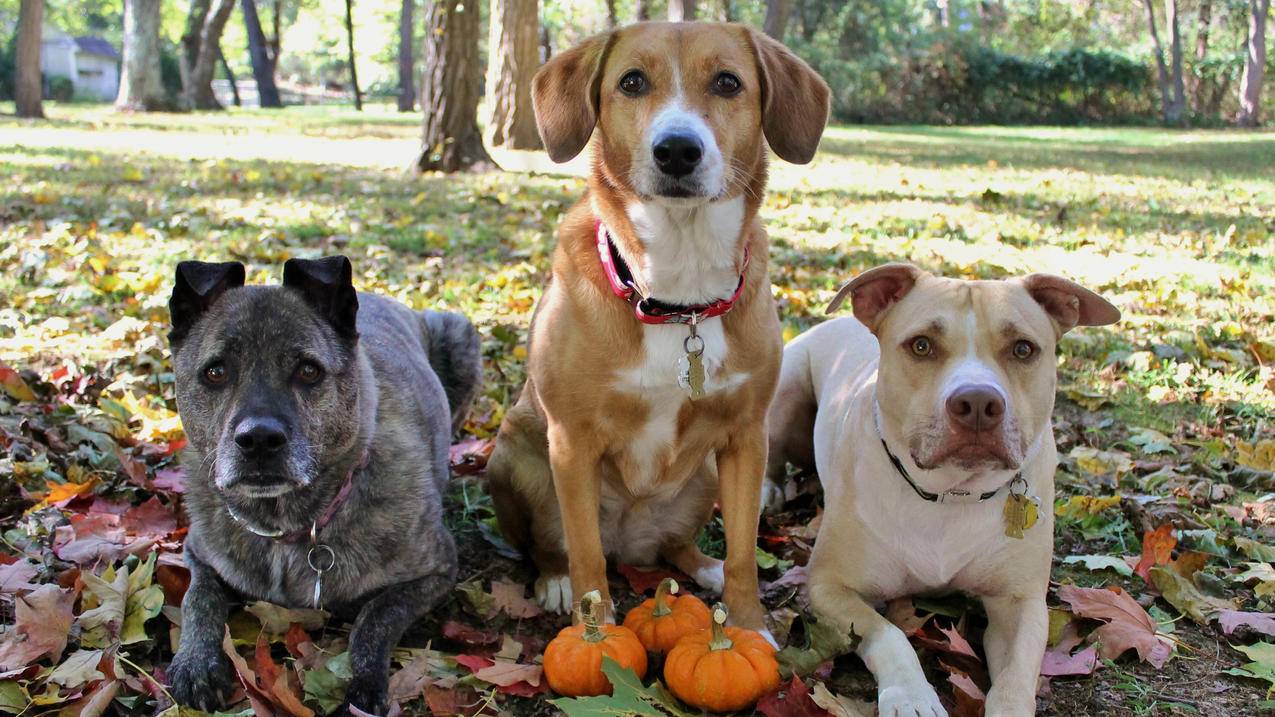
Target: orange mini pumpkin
723	670
659	623
573	659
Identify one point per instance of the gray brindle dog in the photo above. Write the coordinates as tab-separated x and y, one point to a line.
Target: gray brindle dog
318	422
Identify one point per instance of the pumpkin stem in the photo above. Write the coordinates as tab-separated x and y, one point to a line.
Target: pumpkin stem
667	586
720	641
589	615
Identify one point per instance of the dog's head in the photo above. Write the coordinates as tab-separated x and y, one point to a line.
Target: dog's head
266	380
967	372
680	109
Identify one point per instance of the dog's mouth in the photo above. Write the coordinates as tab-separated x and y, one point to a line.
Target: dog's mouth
261	485
977	452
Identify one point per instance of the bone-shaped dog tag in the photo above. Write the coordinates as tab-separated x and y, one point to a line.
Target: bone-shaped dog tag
1021	513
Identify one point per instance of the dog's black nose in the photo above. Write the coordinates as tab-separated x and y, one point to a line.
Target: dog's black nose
258	437
977	407
678	154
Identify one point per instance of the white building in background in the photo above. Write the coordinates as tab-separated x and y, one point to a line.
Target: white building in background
91	63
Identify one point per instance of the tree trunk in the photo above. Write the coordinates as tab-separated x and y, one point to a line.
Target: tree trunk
1171	116
1178	109
28	89
450	140
262	68
1196	80
812	14
641	10
777	12
728	11
406	69
275	42
612	19
197	93
512	59
943	13
141	86
1254	65
230	75
681	10
195	20
354	72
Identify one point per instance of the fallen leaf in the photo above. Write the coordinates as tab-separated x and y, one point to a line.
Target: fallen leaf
1079	506
509	598
839	706
1262	573
1255	550
1100	562
277	620
967	696
644	580
1230	620
1262	666
273	681
628	697
1157	549
1061	664
1127	626
791	700
78	668
17	576
13	385
93	538
476	600
471	636
95	703
42	621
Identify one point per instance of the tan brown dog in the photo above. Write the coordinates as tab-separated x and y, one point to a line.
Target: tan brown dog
929	421
632	420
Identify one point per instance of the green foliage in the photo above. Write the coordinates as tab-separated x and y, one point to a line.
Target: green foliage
59	88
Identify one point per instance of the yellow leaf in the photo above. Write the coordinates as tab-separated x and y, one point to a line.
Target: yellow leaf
1081	505
1258	456
1096	462
13	385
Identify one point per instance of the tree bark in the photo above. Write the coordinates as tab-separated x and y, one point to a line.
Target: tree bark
450	140
354	72
1178	109
262	68
943	13
230	75
1195	80
141	86
1254	65
728	10
195	19
275	43
197	92
1170	90
777	12
28	88
682	10
406	68
512	59
612	19
641	10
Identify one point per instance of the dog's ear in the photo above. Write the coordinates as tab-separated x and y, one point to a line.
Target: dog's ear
199	284
1069	304
327	285
794	100
565	97
876	290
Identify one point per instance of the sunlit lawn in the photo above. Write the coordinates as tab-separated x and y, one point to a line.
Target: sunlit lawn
1175	227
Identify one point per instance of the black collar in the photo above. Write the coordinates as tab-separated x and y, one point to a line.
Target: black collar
955	495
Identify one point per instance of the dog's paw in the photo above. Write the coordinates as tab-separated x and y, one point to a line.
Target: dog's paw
364	698
909	701
553	593
711	577
203	681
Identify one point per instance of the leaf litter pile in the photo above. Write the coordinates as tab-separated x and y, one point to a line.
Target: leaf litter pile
1163	598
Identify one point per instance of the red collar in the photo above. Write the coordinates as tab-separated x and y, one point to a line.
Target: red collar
650	310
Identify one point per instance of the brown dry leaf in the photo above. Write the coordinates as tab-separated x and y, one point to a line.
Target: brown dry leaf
1127	626
42	620
509	597
1157	549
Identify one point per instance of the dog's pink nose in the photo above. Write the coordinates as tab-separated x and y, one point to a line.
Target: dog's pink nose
977	407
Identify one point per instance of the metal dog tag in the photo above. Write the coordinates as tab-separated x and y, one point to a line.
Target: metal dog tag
1021	513
690	368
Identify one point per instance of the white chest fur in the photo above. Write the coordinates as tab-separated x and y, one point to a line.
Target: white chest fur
691	257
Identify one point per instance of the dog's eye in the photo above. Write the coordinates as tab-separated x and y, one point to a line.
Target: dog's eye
921	346
726	85
215	374
309	373
1023	349
633	83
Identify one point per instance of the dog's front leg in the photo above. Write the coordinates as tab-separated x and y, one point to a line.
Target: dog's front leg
200	675
576	482
741	465
1017	632
377	629
902	690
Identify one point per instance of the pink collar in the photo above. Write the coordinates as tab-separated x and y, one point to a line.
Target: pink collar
650	310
